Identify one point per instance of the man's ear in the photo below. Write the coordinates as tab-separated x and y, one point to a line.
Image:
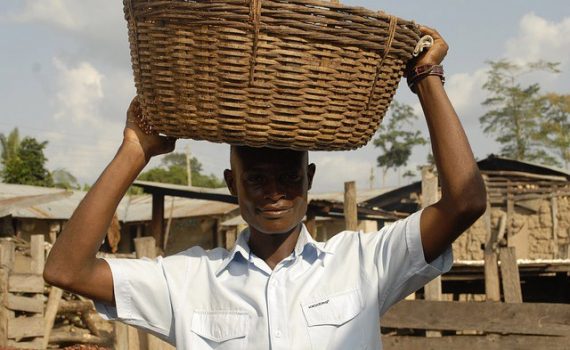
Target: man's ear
311	173
229	178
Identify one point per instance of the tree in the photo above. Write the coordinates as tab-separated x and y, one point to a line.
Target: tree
173	170
28	166
10	145
64	179
555	127
514	110
395	141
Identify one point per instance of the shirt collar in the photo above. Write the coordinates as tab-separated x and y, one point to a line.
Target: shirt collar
242	247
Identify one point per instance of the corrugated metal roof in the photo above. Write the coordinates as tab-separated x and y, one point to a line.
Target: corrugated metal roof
131	208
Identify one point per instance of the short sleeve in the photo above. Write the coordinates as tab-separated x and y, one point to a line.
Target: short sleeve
142	296
400	261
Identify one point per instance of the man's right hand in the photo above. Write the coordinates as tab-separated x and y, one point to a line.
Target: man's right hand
151	144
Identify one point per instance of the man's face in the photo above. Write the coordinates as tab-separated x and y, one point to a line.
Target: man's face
271	186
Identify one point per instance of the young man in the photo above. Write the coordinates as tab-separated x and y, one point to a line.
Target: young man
277	288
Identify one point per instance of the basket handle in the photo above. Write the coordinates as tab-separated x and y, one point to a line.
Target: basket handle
387	47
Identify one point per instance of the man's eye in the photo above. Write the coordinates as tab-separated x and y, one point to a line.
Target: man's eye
292	177
254	178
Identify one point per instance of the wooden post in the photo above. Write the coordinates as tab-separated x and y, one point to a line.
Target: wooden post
311	223
510	275
157	222
7	257
492	284
38	254
554	212
121	336
51	311
350	207
430	195
145	247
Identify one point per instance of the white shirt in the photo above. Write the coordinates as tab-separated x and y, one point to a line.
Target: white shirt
323	296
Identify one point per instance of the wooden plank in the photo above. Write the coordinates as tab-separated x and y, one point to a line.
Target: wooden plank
7	254
155	343
33	344
38	254
4	312
477	342
507	173
554	212
311	223
145	247
51	311
492	286
350	206
231	236
26	283
523	318
430	195
510	275
22	327
121	339
78	335
22	303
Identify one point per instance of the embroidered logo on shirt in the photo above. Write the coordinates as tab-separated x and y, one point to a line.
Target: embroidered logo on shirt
318	304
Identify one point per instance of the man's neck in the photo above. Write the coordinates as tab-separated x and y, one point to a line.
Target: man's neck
273	248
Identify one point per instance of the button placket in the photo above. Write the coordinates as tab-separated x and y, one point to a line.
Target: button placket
277	310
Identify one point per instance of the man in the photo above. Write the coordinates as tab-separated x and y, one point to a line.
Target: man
277	289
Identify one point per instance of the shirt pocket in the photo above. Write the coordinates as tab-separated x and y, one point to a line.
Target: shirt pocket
219	330
332	321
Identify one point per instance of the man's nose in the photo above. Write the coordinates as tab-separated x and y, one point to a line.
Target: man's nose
273	189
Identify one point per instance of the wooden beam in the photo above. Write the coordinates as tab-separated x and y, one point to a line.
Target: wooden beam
554	213
492	285
523	318
22	303
145	247
475	342
23	327
157	221
38	254
51	311
311	223
525	175
4	312
26	283
510	275
350	206
430	195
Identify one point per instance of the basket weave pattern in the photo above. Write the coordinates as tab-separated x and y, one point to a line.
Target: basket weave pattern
300	74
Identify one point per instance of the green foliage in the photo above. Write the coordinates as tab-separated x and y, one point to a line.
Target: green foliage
173	170
515	111
555	127
28	165
395	140
10	145
64	179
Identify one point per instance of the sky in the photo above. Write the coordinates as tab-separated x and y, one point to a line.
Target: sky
65	77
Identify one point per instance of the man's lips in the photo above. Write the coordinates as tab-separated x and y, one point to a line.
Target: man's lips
274	211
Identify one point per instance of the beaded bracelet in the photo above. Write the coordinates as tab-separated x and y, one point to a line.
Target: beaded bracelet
420	72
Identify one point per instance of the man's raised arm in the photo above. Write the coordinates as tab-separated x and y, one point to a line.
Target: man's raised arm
72	262
463	196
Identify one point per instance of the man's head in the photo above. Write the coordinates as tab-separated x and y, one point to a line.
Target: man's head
271	186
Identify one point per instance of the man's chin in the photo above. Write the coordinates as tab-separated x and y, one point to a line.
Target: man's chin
275	227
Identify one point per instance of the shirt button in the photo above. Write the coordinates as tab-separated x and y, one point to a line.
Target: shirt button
278	333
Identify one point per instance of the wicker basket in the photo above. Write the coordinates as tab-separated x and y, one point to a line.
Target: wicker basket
299	74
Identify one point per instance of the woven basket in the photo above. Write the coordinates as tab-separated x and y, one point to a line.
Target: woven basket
299	74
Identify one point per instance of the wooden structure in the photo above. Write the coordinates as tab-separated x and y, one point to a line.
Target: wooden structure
28	307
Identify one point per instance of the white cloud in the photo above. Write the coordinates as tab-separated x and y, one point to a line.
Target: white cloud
79	92
54	12
539	38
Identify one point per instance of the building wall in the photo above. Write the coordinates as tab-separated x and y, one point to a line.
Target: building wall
532	228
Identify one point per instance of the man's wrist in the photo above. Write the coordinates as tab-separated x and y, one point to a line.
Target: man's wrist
419	73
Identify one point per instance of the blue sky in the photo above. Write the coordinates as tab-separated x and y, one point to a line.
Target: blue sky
65	76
